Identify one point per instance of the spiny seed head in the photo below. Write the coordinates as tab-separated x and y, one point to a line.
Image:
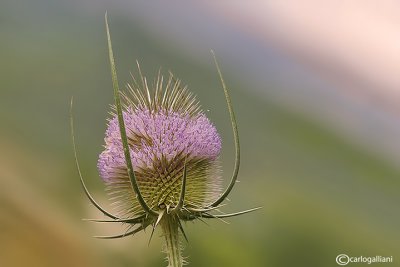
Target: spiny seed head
166	130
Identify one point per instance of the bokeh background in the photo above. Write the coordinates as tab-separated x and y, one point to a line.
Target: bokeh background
316	89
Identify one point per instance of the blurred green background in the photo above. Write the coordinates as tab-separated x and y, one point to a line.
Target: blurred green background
321	194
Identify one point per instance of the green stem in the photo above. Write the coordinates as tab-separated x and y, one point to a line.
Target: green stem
170	228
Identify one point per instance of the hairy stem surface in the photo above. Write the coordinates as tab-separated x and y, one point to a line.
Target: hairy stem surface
170	228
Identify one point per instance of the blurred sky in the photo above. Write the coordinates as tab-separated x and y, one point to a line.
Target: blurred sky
354	48
337	61
316	92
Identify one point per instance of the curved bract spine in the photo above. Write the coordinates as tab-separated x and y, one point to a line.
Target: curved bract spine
91	199
122	129
235	136
138	219
183	190
134	231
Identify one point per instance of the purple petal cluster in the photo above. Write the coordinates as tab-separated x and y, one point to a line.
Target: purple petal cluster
158	134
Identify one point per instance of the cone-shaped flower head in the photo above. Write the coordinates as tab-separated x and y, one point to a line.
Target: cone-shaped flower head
166	130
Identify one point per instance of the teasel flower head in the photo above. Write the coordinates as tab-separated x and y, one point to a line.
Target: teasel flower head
165	133
160	162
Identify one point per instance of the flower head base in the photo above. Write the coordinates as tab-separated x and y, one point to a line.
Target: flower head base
160	162
163	137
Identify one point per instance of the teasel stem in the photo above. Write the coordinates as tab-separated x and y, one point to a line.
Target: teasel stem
170	227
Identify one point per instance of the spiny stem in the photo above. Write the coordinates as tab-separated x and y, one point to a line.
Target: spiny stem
170	228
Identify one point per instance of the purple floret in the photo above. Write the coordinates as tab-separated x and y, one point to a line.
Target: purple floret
157	135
